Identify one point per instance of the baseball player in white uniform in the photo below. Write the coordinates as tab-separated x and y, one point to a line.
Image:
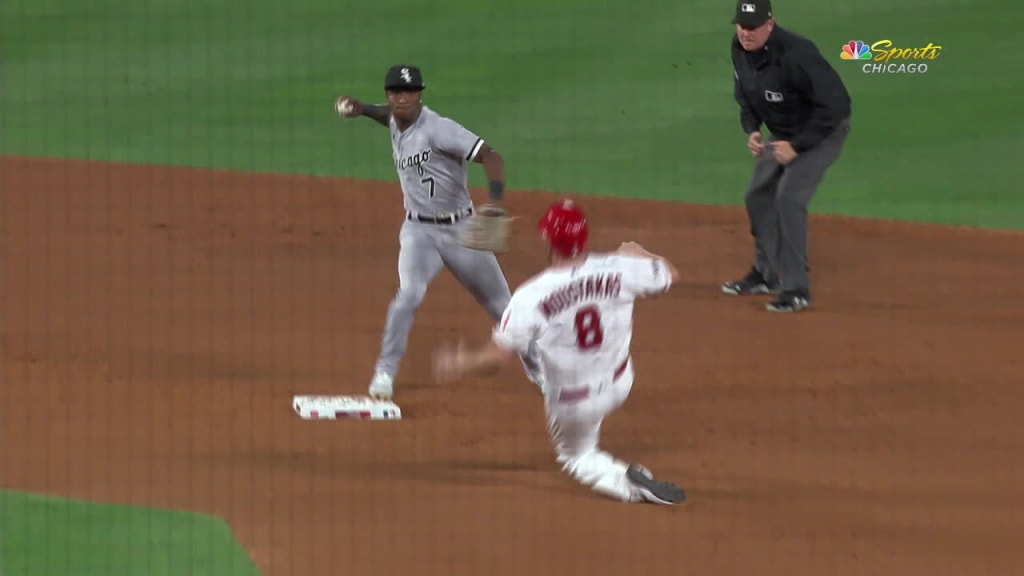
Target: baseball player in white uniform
579	314
432	154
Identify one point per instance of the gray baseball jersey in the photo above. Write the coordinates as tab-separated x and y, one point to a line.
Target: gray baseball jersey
432	157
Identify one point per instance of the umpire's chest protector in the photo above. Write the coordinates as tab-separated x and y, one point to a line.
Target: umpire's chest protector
767	80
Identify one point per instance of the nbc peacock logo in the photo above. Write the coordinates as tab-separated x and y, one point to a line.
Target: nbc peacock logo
855	50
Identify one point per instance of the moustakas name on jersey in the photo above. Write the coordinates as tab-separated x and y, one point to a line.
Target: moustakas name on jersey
432	157
582	318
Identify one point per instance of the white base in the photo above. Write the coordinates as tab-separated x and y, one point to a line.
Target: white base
345	408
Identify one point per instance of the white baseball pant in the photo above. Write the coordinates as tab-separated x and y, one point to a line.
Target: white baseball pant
574	424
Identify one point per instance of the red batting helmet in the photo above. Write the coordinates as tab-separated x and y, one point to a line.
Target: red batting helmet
564	227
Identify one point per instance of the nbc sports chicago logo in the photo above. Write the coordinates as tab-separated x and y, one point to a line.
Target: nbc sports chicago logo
883	57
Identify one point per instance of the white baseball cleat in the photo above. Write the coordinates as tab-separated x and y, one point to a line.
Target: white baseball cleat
382	386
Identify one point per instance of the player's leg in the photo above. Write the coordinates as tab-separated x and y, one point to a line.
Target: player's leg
478	271
481	275
764	229
419	262
797	188
575	433
575	428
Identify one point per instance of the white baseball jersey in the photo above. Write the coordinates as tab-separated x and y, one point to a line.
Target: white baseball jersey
432	158
582	317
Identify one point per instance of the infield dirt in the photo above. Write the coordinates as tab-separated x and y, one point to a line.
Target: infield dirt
156	322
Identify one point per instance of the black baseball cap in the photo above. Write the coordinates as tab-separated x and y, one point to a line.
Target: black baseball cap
752	12
403	77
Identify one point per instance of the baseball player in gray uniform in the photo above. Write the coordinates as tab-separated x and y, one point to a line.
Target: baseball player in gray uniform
432	154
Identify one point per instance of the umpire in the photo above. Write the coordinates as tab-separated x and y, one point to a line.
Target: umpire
783	82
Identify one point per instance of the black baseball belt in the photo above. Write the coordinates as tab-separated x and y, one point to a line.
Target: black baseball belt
451	218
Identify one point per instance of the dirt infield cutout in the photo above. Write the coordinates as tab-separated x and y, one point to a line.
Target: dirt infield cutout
156	322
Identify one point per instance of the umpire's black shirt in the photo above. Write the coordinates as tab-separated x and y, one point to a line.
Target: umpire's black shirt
790	88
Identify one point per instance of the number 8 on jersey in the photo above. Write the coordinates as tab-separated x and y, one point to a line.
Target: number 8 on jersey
588	327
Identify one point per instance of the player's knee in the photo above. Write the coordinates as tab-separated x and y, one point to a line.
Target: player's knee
496	307
501	300
410	296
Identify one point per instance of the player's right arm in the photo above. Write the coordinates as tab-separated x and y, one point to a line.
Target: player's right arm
510	338
519	326
379	113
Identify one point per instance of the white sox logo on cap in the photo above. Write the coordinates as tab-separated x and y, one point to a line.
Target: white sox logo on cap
406	76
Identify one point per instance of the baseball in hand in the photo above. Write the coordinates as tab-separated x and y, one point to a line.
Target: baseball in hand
343	106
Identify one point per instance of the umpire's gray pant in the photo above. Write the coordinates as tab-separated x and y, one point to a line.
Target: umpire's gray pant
777	200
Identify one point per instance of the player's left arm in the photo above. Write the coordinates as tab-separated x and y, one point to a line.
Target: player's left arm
494	167
650	273
459	141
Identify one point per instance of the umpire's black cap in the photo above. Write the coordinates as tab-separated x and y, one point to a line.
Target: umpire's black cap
752	12
402	77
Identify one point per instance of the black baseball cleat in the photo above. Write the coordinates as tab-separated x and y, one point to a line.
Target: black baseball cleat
791	301
654	490
752	283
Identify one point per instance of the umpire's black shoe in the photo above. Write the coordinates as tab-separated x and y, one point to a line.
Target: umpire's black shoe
790	301
752	283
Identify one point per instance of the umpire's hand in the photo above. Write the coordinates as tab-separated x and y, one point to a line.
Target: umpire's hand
754	143
783	152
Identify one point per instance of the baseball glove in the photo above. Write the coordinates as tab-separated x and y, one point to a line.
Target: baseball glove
488	229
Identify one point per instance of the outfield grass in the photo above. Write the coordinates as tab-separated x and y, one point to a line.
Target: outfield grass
45	536
580	95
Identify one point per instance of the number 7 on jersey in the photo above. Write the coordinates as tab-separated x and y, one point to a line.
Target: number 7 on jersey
429	181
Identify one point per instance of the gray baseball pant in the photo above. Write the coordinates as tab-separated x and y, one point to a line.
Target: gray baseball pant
777	199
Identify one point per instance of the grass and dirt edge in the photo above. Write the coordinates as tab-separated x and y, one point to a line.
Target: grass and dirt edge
48	535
